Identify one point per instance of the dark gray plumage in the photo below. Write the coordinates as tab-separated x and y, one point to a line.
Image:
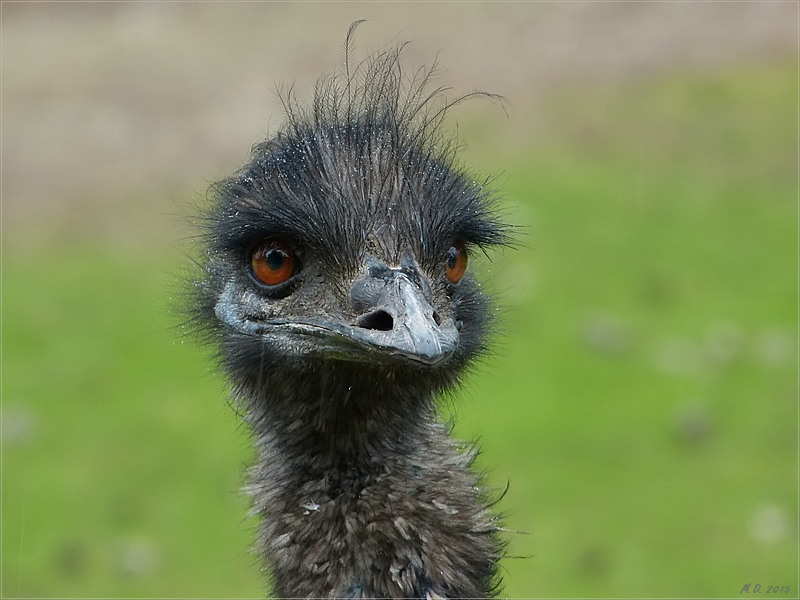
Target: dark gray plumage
333	287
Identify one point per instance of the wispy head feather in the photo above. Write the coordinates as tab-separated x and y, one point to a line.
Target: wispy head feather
367	163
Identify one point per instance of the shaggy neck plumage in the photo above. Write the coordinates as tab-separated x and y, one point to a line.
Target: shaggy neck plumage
362	493
338	412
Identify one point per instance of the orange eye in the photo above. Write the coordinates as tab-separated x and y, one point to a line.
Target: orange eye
273	261
456	262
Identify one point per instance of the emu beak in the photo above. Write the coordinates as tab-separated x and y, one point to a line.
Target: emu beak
402	322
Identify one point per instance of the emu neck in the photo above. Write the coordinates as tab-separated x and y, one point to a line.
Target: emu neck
363	494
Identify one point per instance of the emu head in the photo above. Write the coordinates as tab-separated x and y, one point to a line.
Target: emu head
343	244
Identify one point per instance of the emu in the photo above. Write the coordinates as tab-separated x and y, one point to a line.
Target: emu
334	286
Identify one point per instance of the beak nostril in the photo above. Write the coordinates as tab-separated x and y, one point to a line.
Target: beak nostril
379	320
436	318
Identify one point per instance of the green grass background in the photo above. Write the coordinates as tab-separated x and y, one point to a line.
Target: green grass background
642	400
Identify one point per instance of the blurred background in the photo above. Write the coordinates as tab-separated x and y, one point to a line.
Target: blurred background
642	400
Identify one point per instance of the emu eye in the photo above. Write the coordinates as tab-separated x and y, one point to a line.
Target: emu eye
273	261
456	262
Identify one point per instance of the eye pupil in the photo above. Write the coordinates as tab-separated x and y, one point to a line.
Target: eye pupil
452	256
275	259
